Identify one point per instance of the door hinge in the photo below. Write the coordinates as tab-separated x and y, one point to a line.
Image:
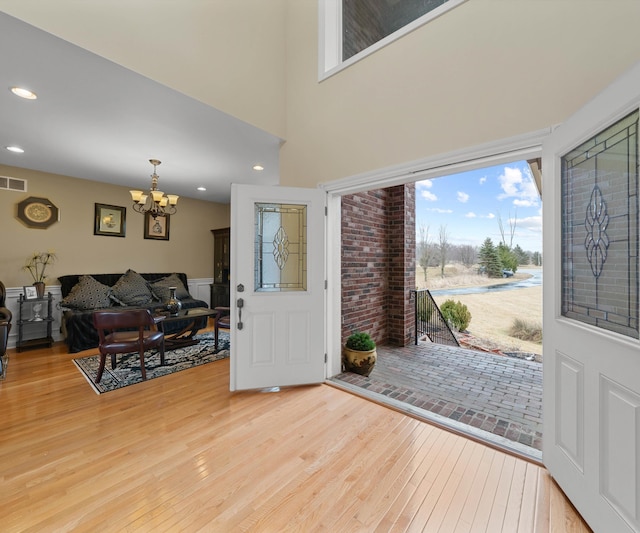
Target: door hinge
326	210
326	284
325	357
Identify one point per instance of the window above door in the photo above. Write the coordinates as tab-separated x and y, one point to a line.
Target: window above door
352	29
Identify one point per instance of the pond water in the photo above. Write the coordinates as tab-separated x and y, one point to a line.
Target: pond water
535	280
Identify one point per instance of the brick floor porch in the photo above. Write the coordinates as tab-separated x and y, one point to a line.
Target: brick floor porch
493	397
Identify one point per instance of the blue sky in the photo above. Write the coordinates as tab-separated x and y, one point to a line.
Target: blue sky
471	203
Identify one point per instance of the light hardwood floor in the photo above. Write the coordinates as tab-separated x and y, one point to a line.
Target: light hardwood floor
182	453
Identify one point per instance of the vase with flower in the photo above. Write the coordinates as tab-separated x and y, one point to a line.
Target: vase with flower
37	265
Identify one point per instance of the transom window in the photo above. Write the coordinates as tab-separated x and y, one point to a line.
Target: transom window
365	22
352	29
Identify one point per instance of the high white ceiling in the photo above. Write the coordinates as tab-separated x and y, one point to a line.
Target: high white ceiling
98	121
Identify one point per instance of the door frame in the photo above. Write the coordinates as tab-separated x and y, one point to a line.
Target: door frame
520	147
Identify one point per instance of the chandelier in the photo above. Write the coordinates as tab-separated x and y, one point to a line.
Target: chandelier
155	203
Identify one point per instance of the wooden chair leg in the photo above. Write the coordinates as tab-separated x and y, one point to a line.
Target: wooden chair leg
103	360
142	368
162	352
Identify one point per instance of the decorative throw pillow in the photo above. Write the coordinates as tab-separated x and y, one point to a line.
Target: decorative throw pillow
160	288
87	294
131	289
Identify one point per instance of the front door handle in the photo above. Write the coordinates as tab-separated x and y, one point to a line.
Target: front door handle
239	305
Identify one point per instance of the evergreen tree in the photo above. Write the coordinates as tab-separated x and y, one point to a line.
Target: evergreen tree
508	259
489	260
523	257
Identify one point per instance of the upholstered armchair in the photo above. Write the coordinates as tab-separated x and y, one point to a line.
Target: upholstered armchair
5	327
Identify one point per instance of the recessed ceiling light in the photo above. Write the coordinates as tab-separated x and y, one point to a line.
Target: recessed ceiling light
258	167
202	188
15	149
24	93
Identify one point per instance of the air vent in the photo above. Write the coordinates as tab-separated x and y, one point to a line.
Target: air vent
13	184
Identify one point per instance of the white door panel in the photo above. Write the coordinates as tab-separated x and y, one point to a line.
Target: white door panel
591	348
282	338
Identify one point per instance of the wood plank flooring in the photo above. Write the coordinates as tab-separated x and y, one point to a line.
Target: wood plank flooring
182	453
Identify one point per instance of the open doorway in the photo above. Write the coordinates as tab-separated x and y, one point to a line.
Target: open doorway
479	248
518	187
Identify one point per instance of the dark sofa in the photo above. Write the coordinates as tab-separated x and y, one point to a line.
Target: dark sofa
77	320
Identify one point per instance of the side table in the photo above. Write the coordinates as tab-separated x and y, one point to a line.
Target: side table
34	322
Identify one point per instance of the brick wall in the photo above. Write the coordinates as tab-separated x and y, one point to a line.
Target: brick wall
402	264
378	264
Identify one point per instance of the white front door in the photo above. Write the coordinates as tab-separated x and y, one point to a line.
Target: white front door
591	290
277	286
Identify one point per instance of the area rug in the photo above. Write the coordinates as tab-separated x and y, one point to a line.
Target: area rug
127	371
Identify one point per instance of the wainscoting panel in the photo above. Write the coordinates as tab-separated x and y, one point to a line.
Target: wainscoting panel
200	288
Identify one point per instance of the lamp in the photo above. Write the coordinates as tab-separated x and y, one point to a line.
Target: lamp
155	203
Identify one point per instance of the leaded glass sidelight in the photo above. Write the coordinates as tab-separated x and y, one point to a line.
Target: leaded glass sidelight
280	247
600	229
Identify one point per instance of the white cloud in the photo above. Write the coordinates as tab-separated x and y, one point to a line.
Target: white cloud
428	195
533	224
462	197
483	179
518	186
440	210
471	214
490	216
525	203
423	186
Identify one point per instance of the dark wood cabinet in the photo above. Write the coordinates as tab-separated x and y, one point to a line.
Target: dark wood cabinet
221	267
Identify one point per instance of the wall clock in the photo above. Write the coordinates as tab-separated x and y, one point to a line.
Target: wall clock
37	212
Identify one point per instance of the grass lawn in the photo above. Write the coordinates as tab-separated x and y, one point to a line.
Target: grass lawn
492	314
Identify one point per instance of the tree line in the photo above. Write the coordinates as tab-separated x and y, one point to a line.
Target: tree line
491	258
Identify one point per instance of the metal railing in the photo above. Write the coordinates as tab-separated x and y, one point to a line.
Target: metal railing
429	320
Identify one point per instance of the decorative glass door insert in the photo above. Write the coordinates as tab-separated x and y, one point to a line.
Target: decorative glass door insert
600	229
280	247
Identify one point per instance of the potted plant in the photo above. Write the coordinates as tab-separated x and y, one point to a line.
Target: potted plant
359	353
36	265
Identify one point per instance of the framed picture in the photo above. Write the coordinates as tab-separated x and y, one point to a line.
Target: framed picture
30	292
156	228
110	220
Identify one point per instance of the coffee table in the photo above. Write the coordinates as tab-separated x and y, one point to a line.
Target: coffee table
196	318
